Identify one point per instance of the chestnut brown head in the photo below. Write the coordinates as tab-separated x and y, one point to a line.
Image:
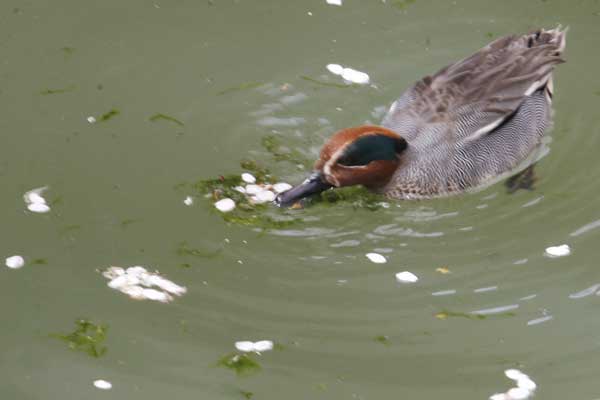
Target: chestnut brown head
364	155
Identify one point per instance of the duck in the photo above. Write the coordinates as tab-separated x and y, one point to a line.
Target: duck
451	132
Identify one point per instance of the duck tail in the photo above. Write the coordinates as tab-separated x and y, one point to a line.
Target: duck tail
557	38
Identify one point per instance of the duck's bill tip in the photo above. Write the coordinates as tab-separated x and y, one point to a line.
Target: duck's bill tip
313	185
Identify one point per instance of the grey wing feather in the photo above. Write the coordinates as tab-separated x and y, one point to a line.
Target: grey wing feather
477	94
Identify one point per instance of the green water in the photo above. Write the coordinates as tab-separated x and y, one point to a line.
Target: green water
194	86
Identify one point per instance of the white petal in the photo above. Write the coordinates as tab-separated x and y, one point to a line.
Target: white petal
558	251
253	189
38	208
245	346
15	262
240	189
35	195
248	178
123	281
334	2
152	294
135	292
513	374
263	345
188	201
335	69
113	272
406	277
355	76
518	394
264	196
225	205
281	187
102	384
525	382
376	258
36	198
166	285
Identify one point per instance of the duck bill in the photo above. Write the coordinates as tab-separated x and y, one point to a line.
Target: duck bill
313	185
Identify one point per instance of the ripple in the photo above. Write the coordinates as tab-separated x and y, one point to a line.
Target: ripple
586	228
585	292
540	320
496	310
346	243
394	229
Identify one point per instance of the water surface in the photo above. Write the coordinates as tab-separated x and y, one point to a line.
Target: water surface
229	73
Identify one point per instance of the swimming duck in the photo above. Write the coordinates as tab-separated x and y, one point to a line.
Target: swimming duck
455	130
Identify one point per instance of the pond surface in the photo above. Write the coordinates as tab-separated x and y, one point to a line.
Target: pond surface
183	91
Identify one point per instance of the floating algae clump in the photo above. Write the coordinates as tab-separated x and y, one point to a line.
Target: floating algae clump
87	337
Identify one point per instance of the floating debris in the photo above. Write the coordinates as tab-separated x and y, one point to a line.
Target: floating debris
87	337
91	119
558	251
334	2
248	178
406	277
443	270
225	205
376	258
349	74
524	389
15	262
188	201
256	347
102	384
35	202
137	283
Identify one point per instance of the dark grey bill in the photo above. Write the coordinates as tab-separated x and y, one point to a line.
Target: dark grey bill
313	185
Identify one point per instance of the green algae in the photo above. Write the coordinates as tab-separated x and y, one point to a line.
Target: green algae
382	339
87	337
241	364
165	117
273	145
326	84
445	314
240	87
67	89
402	4
110	114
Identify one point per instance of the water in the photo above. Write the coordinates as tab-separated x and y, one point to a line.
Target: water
231	71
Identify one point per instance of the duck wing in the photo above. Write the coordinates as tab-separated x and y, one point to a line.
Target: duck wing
471	98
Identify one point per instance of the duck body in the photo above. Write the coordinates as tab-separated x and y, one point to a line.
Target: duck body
455	130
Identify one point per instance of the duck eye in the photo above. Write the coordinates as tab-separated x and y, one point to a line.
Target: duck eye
369	148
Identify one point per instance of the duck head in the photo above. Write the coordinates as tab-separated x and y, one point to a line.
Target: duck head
364	155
